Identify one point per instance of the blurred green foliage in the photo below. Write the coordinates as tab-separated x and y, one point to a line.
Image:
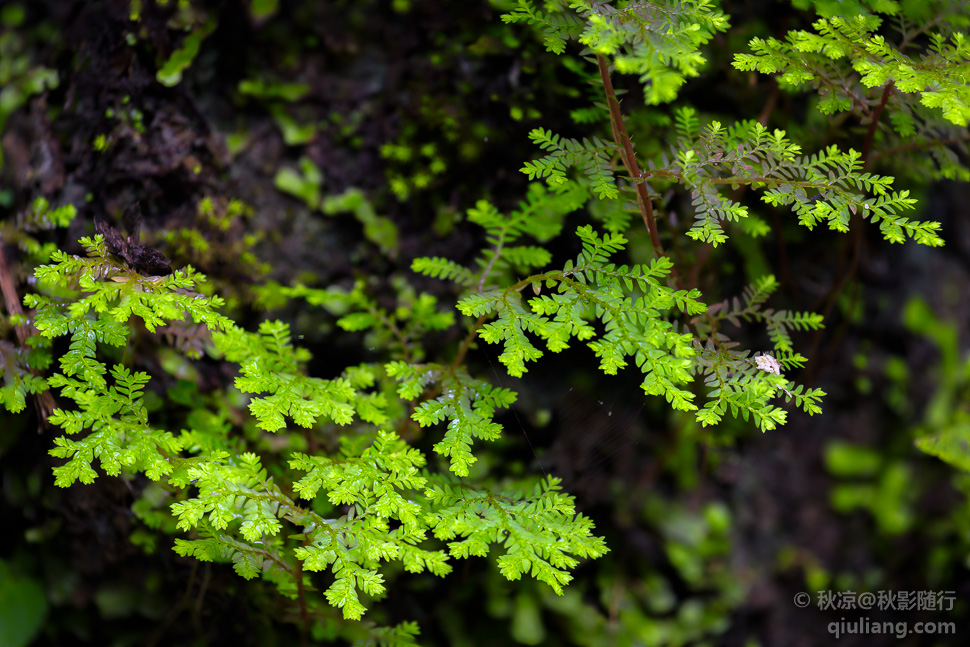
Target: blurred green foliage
23	606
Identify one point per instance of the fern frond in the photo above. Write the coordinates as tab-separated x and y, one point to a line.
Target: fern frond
593	155
848	63
269	364
18	366
120	435
540	533
379	480
660	45
539	216
557	28
442	268
828	186
469	405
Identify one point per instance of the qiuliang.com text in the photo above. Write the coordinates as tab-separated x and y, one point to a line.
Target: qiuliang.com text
899	629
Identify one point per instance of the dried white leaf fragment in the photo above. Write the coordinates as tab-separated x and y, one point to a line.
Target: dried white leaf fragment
768	363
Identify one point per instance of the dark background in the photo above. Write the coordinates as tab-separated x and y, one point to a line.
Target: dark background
452	74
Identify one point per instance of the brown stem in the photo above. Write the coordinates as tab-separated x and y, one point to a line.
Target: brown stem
466	343
770	104
871	134
622	140
44	401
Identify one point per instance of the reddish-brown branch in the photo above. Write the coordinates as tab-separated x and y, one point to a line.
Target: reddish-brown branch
871	133
44	401
467	343
622	139
770	104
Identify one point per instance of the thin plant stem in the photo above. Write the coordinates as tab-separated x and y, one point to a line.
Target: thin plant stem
622	139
